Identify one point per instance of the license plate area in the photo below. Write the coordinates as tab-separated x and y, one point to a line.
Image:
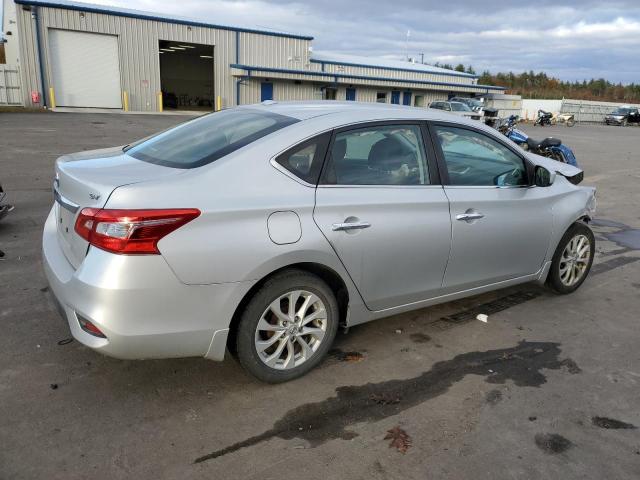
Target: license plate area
67	237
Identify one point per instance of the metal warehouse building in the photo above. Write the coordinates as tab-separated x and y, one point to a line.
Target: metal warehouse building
81	55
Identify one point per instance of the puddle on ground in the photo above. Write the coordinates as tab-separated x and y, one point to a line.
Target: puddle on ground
552	443
625	236
611	423
612	263
331	418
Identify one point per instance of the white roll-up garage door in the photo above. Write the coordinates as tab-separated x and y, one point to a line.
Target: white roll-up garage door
85	68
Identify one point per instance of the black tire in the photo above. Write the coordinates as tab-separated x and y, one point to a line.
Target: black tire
554	280
272	289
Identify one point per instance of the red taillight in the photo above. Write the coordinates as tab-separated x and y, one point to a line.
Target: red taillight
130	231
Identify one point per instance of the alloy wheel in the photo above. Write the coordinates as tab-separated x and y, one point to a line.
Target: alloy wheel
574	260
291	329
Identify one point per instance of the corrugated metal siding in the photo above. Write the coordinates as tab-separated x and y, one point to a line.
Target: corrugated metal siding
138	45
138	48
284	90
10	93
400	75
276	52
330	80
28	57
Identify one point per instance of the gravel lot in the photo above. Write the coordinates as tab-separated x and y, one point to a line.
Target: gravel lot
548	388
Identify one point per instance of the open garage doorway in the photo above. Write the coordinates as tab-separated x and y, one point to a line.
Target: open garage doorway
186	76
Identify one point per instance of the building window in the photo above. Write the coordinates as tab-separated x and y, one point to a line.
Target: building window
381	97
418	101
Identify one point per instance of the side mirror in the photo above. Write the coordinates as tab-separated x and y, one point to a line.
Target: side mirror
543	177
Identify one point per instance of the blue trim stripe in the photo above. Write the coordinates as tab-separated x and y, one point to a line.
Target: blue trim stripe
250	68
453	73
146	16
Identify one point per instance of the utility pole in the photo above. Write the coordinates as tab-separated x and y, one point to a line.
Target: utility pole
408	35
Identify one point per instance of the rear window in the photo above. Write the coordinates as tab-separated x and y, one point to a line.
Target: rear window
206	139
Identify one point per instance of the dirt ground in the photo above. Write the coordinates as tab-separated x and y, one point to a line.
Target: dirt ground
548	388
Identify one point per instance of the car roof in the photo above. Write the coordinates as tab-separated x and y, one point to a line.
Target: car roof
351	111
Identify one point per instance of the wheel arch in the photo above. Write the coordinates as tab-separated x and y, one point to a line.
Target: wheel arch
329	275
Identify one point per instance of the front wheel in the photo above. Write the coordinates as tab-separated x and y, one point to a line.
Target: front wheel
572	259
571	122
287	327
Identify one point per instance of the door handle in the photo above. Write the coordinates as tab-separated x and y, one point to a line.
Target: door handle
341	227
467	217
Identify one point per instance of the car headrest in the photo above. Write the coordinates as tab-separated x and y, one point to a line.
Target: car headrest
388	154
339	149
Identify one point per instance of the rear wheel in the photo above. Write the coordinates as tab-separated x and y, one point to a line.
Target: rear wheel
572	259
287	327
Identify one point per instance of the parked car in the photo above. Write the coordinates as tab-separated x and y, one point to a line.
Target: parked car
264	228
457	108
473	103
4	207
623	116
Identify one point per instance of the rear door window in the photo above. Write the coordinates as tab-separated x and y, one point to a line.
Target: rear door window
208	138
378	155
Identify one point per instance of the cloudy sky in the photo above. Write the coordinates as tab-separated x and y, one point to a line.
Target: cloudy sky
570	39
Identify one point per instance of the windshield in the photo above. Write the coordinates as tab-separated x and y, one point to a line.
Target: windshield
208	138
621	111
459	107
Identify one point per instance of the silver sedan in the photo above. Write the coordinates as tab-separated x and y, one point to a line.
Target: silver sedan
263	229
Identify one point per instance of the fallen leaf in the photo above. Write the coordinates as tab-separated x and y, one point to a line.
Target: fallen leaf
399	439
353	357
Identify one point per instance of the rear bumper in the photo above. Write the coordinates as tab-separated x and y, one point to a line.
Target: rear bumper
139	303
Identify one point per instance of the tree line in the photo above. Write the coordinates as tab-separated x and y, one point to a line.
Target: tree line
540	85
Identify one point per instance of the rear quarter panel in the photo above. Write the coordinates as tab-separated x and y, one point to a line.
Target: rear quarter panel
230	241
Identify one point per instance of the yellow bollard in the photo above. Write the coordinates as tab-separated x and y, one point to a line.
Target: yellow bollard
125	100
52	97
218	103
160	102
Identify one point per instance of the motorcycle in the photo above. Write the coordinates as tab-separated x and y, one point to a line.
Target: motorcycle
544	118
549	147
566	118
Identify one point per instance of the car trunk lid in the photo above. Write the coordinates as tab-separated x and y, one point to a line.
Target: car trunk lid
87	179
